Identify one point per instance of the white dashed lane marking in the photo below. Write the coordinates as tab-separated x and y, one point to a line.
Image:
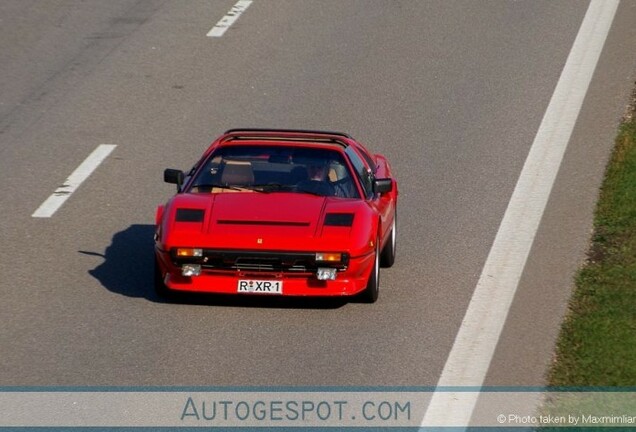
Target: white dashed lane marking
62	193
219	29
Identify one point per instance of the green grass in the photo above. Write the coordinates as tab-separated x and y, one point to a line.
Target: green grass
597	344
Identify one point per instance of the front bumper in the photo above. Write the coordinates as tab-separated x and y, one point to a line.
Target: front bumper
297	280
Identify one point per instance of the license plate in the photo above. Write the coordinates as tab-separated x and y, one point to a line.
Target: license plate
260	286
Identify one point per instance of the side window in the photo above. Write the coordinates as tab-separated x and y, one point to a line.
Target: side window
364	174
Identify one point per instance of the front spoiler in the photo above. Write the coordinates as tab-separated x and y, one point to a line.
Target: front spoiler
348	282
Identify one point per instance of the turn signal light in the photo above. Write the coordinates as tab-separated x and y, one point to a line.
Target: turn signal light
189	252
329	257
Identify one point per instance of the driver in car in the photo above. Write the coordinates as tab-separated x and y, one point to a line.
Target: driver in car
317	181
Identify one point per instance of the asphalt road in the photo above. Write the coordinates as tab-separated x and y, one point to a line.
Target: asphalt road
452	92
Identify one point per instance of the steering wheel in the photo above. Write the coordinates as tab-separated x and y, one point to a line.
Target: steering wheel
316	187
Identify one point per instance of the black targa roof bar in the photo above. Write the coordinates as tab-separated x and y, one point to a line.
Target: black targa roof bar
299	131
296	135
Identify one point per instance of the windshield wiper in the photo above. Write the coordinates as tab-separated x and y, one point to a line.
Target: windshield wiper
310	192
222	186
272	187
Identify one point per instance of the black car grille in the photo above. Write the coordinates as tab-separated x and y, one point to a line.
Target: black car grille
242	261
258	261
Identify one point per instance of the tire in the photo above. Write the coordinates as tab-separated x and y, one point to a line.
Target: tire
387	256
371	292
160	288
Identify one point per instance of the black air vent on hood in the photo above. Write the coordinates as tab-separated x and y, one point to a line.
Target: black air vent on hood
339	219
190	215
261	222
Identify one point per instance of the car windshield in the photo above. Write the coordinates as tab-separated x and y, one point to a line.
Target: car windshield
275	169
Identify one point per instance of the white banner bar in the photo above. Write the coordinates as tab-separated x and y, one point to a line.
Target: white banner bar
265	408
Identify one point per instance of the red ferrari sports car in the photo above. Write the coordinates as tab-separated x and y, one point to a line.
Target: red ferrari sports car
279	212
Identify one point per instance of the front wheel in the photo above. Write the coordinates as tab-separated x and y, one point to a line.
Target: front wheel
387	257
371	292
160	287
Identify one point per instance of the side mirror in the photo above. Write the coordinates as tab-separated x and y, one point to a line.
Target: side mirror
173	176
382	186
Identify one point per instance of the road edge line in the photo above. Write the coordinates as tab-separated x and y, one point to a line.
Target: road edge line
478	335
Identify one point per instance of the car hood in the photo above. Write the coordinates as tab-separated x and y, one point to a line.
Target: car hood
290	221
276	213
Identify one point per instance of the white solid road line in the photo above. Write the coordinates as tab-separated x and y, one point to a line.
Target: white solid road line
475	343
229	18
62	193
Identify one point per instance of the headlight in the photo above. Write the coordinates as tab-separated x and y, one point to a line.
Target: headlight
191	270
326	273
